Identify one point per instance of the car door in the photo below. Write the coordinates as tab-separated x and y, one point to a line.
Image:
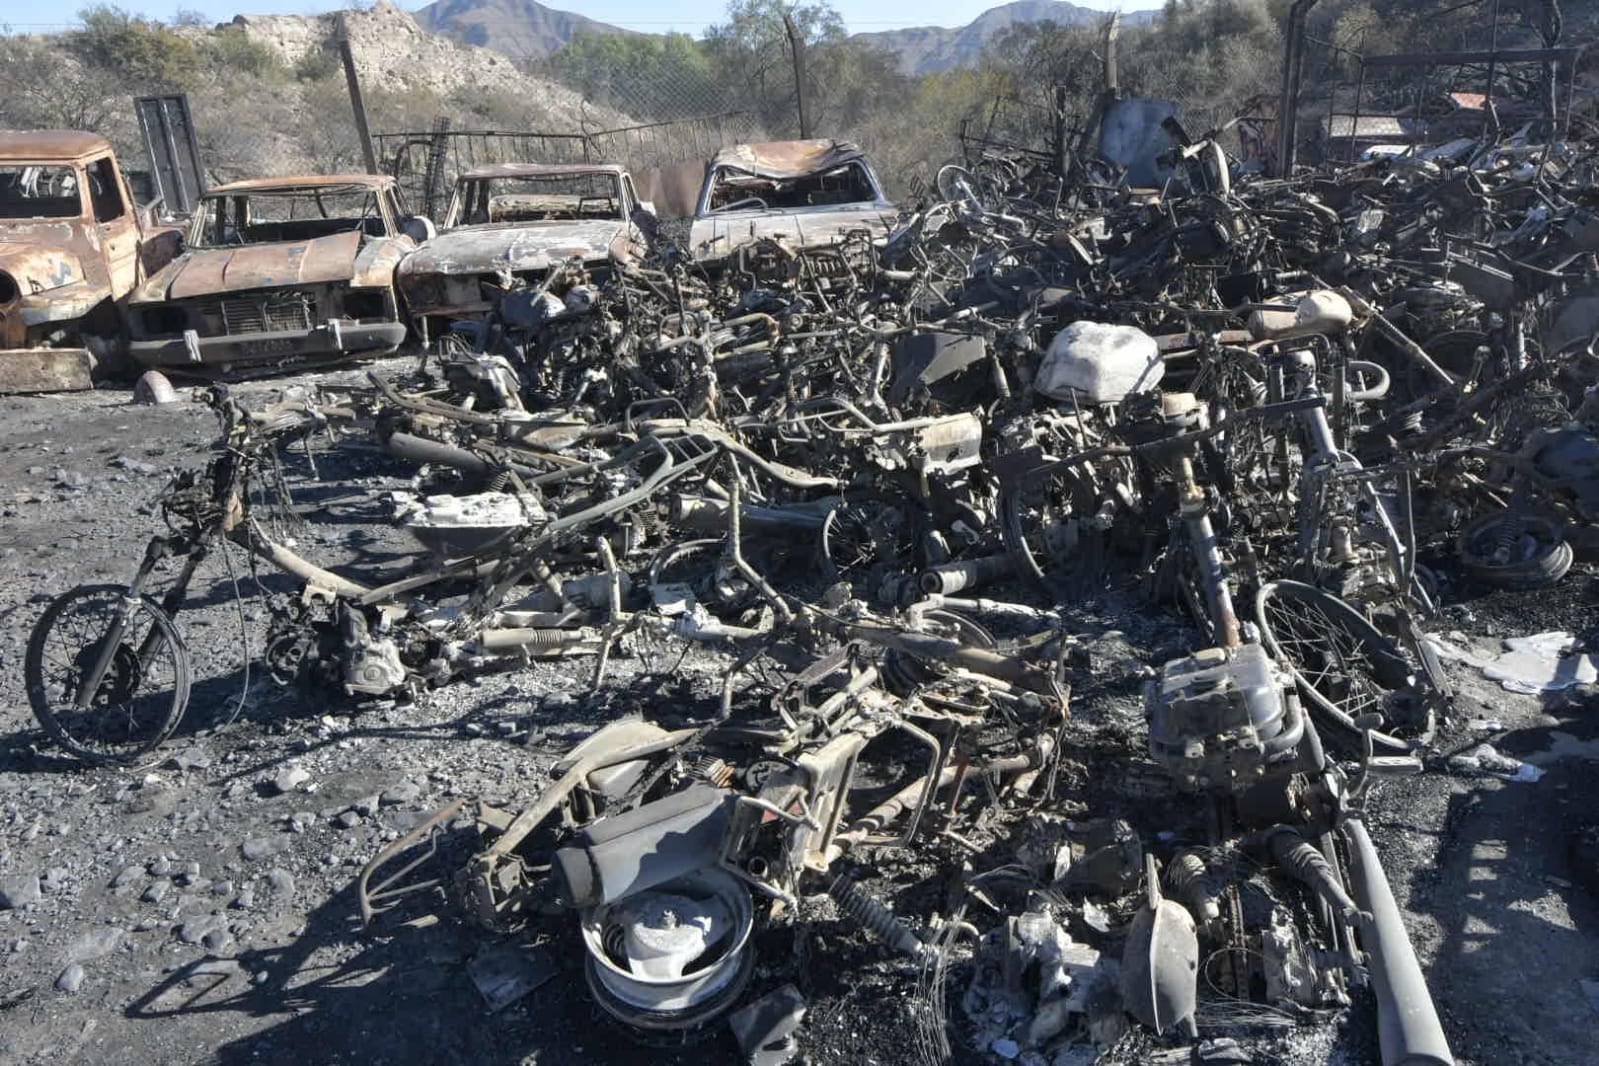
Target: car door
118	228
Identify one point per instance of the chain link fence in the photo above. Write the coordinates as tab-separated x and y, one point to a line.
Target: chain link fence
427	163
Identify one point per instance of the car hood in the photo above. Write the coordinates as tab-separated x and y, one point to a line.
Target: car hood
338	257
484	249
716	235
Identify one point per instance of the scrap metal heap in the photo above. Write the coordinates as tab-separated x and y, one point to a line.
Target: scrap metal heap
1299	409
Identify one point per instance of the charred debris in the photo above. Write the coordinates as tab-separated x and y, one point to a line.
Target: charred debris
875	480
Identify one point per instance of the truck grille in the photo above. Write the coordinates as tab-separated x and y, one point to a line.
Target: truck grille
269	312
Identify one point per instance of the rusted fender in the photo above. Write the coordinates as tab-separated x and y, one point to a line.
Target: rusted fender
37	268
40	285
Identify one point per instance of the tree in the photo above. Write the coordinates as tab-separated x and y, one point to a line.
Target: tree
652	77
144	52
751	52
39	89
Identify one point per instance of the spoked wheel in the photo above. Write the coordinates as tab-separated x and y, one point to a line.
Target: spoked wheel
1342	664
1051	533
142	666
863	536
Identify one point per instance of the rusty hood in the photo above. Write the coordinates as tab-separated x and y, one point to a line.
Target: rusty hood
485	249
205	271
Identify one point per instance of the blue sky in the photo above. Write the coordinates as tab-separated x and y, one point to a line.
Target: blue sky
650	16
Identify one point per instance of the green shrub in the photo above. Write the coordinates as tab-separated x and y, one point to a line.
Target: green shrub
144	52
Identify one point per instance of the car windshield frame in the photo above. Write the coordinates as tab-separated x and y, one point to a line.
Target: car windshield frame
473	202
726	174
216	222
68	205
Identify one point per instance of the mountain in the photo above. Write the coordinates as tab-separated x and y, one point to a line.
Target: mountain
526	29
929	49
522	29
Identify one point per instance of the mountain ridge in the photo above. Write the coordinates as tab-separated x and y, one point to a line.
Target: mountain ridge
521	29
527	29
934	49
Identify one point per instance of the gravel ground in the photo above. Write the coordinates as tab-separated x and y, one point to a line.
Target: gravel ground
204	911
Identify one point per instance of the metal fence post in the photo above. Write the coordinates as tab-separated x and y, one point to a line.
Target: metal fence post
797	47
357	104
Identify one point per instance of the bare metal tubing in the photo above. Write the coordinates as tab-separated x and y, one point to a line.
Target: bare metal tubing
1202	539
1407	1022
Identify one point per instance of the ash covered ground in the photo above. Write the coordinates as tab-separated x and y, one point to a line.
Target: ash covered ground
201	911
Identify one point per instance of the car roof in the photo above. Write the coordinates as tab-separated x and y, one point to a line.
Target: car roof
33	145
537	170
301	181
788	159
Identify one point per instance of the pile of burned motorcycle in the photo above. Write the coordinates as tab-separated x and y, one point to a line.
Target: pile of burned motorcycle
877	482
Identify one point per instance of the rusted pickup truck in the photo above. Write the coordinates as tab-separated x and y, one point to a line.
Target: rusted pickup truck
279	272
72	247
523	219
808	192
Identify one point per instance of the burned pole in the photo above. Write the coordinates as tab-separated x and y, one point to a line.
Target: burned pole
1293	79
1058	145
1109	92
796	46
357	104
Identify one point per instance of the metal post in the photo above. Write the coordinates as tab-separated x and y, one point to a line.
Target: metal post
357	104
797	48
1293	74
1488	115
1360	92
1109	92
1059	141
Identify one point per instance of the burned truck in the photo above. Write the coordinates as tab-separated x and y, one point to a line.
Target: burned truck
521	220
808	193
279	271
73	245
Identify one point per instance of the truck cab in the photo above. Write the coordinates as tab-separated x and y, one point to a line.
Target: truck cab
73	245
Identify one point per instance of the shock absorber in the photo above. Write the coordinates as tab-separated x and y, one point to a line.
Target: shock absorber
874	916
1301	859
1190	882
1507	537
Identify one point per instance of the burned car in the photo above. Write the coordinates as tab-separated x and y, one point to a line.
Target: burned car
280	270
72	246
522	219
809	193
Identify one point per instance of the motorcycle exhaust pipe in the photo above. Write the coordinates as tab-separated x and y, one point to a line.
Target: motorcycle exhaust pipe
422	450
950	578
1407	1022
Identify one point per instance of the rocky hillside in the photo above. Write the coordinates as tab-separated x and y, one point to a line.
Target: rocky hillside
522	29
394	52
930	49
526	29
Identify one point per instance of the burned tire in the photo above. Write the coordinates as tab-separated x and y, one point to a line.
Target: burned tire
1343	666
1514	551
143	692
